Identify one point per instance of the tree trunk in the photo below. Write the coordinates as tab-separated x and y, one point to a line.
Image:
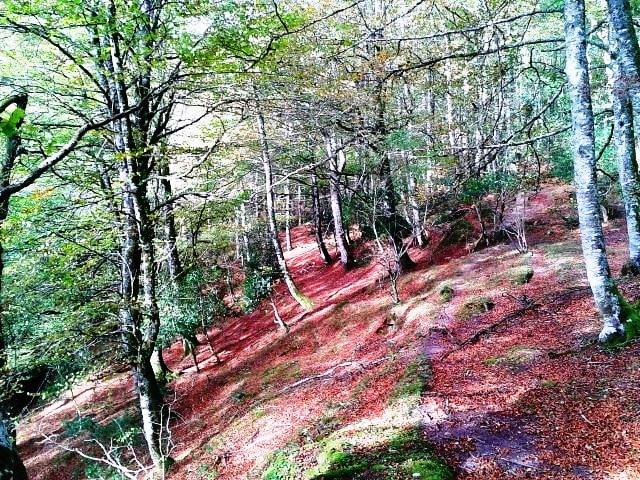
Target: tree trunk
10	155
300	206
592	237
335	170
160	368
414	210
287	215
390	215
626	49
625	151
297	295
245	237
174	265
317	219
150	402
625	66
11	466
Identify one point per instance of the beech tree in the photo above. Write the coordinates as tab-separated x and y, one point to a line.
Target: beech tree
594	250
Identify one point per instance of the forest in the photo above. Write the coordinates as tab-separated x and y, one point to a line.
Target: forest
330	239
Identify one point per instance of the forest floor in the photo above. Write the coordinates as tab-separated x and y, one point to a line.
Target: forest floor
499	377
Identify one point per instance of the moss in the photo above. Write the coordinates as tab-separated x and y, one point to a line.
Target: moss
414	381
279	373
305	302
401	454
281	466
207	472
561	249
259	413
514	357
475	306
405	456
429	469
446	293
520	275
630	318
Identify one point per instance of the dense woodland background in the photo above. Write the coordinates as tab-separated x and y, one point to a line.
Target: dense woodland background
279	195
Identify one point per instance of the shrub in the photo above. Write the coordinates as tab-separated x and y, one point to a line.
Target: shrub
562	164
256	286
189	305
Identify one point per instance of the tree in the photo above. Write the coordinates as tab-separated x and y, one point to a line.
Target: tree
298	296
594	251
337	162
625	59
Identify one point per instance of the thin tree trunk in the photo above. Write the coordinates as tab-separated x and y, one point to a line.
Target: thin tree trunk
174	265
297	295
287	215
390	213
300	205
245	237
276	316
317	219
335	170
414	210
593	244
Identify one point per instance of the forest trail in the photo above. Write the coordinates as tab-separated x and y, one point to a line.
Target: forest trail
502	364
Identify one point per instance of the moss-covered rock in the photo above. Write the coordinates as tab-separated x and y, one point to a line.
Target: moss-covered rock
446	293
520	275
475	306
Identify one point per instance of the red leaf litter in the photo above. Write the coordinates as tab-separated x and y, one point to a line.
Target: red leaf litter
519	391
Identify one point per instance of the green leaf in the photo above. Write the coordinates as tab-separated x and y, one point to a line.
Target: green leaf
9	125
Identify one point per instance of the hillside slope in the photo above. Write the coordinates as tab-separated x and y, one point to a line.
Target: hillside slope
481	365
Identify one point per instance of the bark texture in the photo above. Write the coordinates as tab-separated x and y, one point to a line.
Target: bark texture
625	66
591	234
626	155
